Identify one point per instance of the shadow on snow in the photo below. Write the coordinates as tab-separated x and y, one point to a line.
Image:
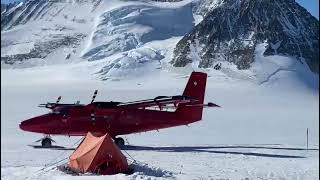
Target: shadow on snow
210	149
206	149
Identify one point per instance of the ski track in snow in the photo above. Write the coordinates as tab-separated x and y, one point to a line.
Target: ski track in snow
274	73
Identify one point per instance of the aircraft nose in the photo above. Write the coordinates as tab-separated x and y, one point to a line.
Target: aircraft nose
36	124
27	125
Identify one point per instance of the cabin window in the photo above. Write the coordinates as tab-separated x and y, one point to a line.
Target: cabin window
92	115
63	111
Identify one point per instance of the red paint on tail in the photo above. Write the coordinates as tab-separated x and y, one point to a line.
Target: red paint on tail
195	88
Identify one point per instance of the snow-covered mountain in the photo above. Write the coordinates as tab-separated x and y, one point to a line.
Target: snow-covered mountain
54	32
232	30
133	38
37	30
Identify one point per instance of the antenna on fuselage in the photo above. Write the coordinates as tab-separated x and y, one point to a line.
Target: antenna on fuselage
94	95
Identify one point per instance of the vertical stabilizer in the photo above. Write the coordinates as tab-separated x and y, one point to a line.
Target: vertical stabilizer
196	87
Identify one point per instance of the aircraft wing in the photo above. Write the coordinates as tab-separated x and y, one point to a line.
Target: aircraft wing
160	101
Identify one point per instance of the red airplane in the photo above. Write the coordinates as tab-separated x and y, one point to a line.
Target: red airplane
118	118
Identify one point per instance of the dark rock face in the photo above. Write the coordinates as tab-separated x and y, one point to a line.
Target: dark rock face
231	31
43	49
22	13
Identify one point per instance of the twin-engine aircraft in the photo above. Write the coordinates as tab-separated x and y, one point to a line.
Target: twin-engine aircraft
120	118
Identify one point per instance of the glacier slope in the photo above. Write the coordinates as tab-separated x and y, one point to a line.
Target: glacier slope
97	30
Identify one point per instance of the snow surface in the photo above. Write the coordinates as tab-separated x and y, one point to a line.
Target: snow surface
260	131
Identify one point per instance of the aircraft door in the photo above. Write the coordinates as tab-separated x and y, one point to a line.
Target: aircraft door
106	120
66	120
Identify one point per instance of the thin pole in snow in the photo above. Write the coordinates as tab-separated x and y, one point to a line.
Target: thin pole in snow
307	138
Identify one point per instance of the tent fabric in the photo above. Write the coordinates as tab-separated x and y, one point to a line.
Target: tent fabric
98	155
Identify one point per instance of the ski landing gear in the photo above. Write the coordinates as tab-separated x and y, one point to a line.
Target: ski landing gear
119	142
46	141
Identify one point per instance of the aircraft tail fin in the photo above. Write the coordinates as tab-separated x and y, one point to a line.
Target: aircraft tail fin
195	88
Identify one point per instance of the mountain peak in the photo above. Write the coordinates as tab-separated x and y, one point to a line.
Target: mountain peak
231	31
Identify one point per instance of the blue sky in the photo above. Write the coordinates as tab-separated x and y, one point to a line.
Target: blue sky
311	5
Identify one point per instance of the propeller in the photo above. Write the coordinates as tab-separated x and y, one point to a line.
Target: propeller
94	95
50	105
58	100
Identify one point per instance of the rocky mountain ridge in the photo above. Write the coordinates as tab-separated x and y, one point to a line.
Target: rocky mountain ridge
232	30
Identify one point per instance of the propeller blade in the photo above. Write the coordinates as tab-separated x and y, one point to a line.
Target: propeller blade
94	95
58	100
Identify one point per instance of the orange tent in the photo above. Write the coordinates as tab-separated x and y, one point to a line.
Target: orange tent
98	155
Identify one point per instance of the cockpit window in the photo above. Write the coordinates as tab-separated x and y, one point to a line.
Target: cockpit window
61	110
110	104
